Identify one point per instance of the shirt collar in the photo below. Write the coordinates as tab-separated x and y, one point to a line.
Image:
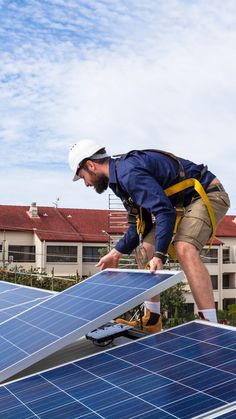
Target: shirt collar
112	172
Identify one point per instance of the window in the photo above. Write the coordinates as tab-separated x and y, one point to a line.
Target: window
21	253
227	302
226	255
92	254
214	281
187	308
226	281
209	256
65	254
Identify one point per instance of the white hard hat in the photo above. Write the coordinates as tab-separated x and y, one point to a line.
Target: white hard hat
84	149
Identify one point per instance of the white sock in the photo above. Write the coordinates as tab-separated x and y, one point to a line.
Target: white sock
209	314
154	307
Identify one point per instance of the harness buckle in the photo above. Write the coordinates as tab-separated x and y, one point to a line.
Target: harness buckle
180	211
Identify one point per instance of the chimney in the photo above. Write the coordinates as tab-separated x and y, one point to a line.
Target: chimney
33	211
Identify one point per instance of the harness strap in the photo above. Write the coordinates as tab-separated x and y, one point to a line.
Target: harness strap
140	220
172	156
188	183
178	188
140	225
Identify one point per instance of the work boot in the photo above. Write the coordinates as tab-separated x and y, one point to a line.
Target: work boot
150	322
202	317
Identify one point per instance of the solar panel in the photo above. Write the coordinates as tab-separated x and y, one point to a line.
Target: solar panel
15	298
179	373
53	324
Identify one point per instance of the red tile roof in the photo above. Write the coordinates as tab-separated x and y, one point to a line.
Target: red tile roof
227	227
92	224
216	242
59	224
81	225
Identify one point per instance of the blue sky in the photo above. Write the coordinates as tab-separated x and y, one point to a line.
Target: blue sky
130	74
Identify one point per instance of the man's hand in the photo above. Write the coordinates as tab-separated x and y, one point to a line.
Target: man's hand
110	260
155	264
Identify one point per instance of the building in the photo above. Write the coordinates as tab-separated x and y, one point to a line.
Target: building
71	240
67	241
220	261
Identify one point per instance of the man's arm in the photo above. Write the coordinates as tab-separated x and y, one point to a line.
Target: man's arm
111	260
149	194
129	241
124	246
157	262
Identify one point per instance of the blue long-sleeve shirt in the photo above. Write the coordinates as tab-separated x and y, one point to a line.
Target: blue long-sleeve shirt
144	175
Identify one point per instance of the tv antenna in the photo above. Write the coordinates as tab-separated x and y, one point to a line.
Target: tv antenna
56	203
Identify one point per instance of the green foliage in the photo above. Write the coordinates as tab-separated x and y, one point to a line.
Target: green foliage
232	309
173	299
34	278
222	315
232	314
227	316
102	251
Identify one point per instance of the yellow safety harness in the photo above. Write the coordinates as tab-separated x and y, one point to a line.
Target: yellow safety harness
181	186
177	188
174	189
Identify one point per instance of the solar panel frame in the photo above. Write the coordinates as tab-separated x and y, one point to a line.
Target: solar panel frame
87	380
221	413
12	342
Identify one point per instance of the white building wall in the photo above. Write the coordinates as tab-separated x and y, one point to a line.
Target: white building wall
70	268
89	268
219	269
80	259
40	254
25	238
60	269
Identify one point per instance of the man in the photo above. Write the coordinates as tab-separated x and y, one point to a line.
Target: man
142	180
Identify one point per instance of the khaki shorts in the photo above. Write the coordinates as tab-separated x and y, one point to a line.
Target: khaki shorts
195	226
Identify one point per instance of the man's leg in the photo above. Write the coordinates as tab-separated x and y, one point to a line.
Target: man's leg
151	321
193	233
143	254
198	279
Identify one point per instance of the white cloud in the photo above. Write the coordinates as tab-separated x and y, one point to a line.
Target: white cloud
150	74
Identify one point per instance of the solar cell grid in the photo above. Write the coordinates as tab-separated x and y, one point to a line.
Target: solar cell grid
15	299
117	383
59	321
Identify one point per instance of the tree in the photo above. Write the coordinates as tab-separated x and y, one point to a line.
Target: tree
232	313
173	300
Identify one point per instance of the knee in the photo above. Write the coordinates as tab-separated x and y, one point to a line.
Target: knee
185	251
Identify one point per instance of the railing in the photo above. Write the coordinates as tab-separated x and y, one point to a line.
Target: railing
39	280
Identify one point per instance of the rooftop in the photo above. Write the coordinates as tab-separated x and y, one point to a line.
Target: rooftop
79	225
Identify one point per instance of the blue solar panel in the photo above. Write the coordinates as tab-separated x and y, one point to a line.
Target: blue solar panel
14	299
62	319
124	383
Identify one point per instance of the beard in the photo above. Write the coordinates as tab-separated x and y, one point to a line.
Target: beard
100	183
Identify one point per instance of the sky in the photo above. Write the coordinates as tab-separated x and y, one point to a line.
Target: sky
130	74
